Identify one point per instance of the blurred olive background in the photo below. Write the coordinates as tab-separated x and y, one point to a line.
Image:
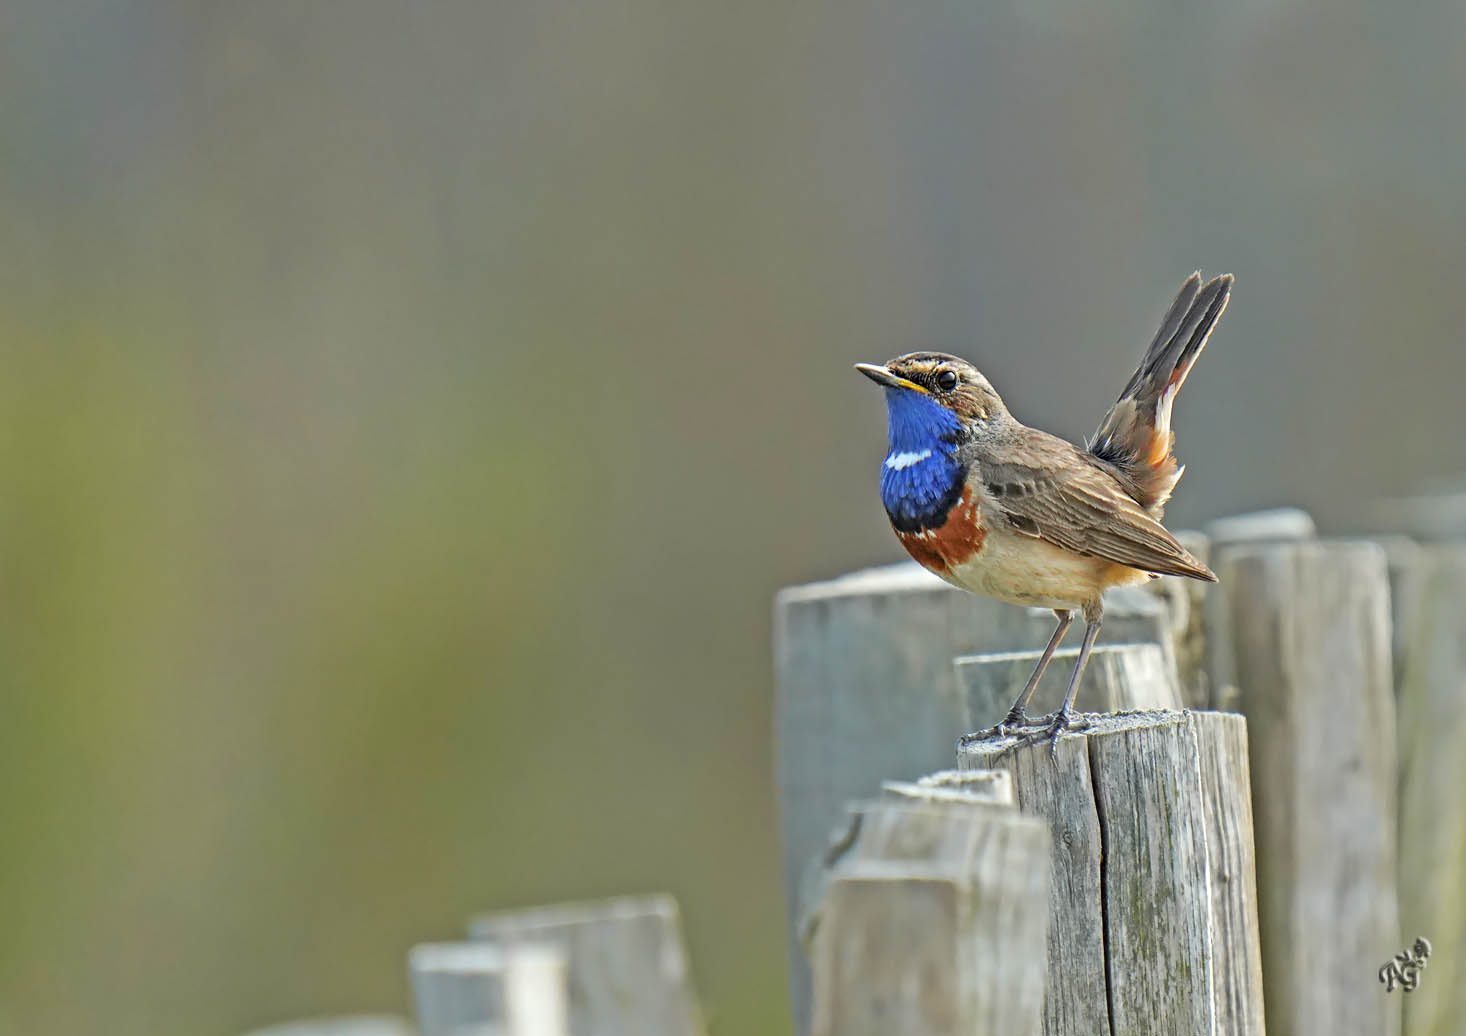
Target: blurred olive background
408	410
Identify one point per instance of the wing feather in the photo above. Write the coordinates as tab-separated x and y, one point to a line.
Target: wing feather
1072	502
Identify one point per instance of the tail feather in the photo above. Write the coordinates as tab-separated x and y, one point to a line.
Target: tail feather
1135	436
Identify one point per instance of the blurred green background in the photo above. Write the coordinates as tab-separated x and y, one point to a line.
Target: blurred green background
408	410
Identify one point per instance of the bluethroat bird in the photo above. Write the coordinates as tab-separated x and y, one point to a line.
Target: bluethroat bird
998	508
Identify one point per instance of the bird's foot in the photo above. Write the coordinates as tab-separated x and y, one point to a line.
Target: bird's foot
1016	720
1027	729
1050	728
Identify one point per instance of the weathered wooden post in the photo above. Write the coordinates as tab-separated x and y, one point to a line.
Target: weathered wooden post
344	1025
1185	601
1119	678
1153	913
627	971
1431	735
1224	535
464	988
1311	635
933	923
866	693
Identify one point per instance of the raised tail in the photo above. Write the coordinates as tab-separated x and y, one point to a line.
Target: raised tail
1136	435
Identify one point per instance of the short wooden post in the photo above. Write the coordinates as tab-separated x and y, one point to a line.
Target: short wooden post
1281	525
628	972
1119	678
1431	734
344	1025
466	987
1311	633
1153	914
934	923
865	693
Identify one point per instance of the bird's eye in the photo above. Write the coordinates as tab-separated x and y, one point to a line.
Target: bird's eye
946	380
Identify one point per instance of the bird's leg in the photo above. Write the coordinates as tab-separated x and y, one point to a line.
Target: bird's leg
1062	717
1017	718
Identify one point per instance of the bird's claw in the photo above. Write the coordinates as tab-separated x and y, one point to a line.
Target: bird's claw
1050	729
1015	724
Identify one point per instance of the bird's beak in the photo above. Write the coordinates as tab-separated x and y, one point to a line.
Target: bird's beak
882	376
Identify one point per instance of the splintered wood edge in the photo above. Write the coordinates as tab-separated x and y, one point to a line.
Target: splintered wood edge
1094	723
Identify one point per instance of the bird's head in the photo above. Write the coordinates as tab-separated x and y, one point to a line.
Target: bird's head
934	403
934	390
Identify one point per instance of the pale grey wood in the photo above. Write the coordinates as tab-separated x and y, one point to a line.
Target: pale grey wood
972	787
1060	790
1237	987
344	1025
865	693
1152	916
1311	628
1279	525
1118	677
478	989
1185	601
934	924
1406	564
628	973
1431	736
992	786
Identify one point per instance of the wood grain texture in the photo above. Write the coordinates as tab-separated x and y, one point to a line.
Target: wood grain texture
1431	656
1061	792
934	924
1153	906
972	787
1311	632
628	973
1185	601
865	693
1118	678
1226	781
1280	525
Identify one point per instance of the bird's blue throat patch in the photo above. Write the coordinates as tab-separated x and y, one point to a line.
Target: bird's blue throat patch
921	477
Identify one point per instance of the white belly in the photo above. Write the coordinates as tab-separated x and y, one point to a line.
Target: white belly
1023	570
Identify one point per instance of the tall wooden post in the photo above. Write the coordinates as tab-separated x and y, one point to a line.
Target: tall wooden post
865	693
1311	635
1153	913
1431	735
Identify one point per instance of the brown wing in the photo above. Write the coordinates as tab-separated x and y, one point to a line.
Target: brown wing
1054	491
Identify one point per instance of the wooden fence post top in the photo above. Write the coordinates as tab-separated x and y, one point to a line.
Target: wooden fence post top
627	970
903	577
344	1025
1154	907
933	923
580	912
983	786
1280	524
